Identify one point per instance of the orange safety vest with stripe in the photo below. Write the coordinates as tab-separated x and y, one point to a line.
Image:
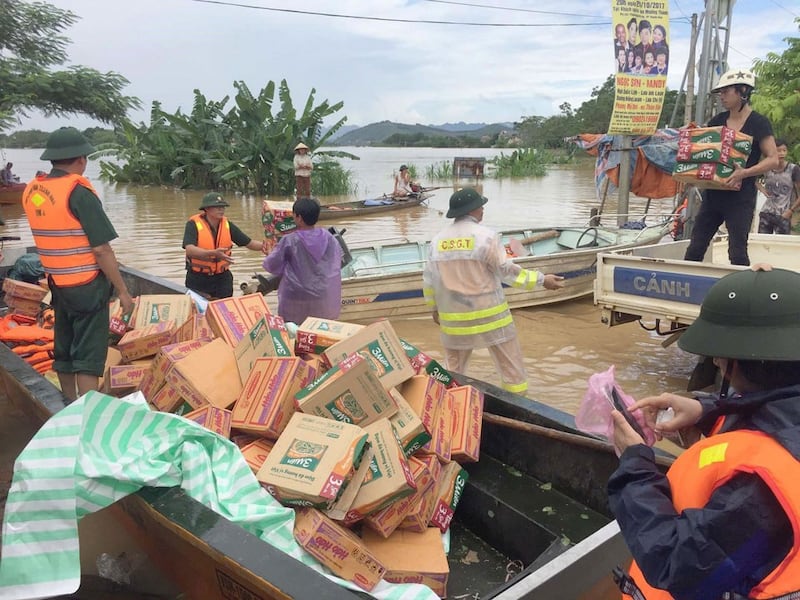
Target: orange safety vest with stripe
206	241
62	243
712	462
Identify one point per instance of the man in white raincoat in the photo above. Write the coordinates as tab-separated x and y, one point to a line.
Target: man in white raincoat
462	283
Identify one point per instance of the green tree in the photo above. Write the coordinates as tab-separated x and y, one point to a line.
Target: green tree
778	92
32	44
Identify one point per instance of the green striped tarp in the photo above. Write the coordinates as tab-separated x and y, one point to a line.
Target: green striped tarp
100	449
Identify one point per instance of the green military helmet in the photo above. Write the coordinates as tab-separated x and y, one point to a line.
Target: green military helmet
464	201
749	315
212	199
66	143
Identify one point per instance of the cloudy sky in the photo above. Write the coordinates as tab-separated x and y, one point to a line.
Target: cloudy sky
410	61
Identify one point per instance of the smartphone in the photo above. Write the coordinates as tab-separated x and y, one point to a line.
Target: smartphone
618	404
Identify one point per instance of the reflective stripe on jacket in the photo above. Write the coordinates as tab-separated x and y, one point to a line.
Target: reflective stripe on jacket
62	244
712	462
206	241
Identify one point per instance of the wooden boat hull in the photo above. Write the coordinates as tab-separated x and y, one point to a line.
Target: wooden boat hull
348	210
11	194
374	292
528	500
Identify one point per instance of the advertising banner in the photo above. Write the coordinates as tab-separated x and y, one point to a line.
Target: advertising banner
641	61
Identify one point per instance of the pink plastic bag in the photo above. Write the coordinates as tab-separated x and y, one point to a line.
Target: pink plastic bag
594	414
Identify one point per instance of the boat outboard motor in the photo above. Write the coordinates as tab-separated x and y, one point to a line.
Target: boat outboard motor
347	258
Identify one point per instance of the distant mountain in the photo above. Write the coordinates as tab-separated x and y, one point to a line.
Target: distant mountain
375	133
464	127
344	129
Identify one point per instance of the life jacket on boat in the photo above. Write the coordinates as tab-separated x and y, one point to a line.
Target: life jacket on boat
63	247
20	329
712	462
206	241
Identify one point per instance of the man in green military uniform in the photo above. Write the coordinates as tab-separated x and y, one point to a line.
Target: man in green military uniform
208	239
72	234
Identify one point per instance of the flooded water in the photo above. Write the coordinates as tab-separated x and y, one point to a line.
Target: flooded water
563	344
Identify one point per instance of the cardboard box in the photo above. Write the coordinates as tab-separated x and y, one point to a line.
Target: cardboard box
441	435
407	425
465	443
266	402
741	142
24	291
701	153
449	488
212	418
196	327
232	318
389	477
150	309
425	365
424	501
265	338
23	306
424	395
256	452
337	548
314	335
121	380
704	175
412	558
277	219
312	461
207	375
164	360
378	342
168	399
147	341
389	518
349	392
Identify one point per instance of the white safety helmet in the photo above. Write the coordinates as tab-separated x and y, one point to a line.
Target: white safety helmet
735	77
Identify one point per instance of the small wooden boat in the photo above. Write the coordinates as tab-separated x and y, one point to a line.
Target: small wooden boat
533	521
360	208
11	194
386	280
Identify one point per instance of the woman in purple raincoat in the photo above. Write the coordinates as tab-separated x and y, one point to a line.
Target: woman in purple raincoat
308	262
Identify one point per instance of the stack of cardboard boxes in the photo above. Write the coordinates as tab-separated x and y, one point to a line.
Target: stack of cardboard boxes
278	219
360	432
707	156
24	298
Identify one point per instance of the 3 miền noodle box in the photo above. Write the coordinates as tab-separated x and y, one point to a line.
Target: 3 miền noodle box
312	460
449	488
412	557
266	402
314	335
157	308
340	550
349	392
421	510
146	341
388	478
467	423
380	344
260	341
425	365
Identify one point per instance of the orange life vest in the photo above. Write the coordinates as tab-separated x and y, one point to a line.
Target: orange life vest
63	247
712	462
206	241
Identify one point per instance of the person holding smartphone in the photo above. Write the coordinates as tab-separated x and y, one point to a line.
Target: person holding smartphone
724	522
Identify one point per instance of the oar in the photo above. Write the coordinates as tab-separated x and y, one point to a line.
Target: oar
564	436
